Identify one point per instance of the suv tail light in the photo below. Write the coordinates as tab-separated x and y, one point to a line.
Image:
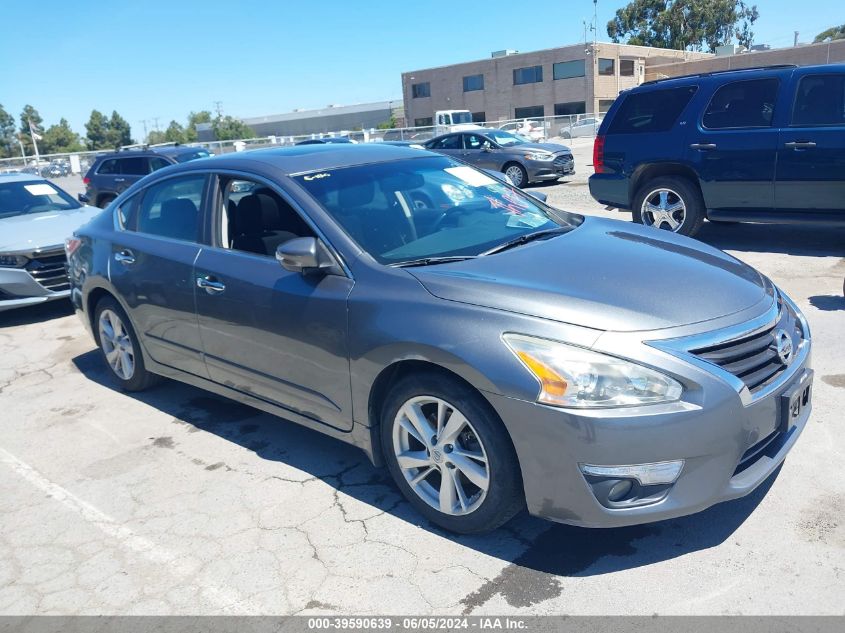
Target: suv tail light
598	155
85	180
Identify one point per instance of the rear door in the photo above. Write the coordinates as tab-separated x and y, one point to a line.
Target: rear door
734	144
152	264
811	148
451	145
132	169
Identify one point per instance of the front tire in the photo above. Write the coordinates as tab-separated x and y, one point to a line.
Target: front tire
450	455
516	174
670	203
120	347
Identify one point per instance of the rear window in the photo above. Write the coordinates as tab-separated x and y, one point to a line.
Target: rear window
651	111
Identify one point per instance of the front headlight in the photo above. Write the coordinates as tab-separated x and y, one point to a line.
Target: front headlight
540	156
578	378
12	261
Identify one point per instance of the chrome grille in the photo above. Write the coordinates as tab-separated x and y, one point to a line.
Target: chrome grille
50	270
563	160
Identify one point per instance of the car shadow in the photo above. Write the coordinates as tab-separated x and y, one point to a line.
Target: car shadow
526	543
828	303
788	239
36	313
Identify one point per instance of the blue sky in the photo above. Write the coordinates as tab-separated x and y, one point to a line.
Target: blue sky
151	58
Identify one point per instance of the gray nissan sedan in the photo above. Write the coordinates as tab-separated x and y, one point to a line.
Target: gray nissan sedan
493	352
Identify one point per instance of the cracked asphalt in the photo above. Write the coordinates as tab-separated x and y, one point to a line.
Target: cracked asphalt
175	501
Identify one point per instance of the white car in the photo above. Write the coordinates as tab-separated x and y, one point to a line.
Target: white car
584	127
35	218
532	130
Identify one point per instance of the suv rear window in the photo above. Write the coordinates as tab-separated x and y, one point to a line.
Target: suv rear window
820	101
741	104
651	111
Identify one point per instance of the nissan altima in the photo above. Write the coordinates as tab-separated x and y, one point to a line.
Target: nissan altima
493	352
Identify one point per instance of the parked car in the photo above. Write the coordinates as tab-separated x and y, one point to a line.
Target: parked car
531	130
56	169
493	354
584	127
114	172
523	162
755	145
325	140
35	218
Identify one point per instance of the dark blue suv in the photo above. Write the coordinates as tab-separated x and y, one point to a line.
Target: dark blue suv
754	145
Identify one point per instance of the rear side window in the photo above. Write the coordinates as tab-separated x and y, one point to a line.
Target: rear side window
171	208
651	111
820	101
448	142
109	167
135	166
742	104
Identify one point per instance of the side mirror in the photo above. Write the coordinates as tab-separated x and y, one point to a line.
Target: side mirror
305	255
83	198
538	194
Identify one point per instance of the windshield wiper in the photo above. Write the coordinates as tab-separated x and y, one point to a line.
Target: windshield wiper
525	238
427	261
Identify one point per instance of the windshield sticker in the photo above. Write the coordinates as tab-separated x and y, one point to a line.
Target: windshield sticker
526	220
40	189
316	176
470	176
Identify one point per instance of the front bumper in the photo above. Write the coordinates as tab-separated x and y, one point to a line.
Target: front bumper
18	289
550	170
730	443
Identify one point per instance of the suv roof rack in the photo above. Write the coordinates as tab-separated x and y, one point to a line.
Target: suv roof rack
721	72
136	147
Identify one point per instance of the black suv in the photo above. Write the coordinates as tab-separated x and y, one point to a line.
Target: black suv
754	145
112	173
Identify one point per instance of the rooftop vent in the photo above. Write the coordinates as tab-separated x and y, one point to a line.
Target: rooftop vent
503	53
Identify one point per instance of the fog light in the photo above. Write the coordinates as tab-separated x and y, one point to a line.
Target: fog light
620	490
647	474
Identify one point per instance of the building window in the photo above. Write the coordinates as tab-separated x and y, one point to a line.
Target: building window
473	82
527	75
605	66
424	122
530	112
479	117
567	70
573	107
626	67
604	105
421	90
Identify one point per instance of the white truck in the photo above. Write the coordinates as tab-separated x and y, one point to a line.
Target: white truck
446	121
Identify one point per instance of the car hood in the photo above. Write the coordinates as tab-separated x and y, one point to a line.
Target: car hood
549	147
40	230
607	275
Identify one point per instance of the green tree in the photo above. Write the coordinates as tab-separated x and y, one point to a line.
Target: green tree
834	33
60	138
228	128
684	24
8	134
119	133
387	125
174	133
194	118
29	114
155	137
96	130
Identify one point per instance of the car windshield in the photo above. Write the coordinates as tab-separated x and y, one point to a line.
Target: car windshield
433	207
461	117
506	139
33	196
184	158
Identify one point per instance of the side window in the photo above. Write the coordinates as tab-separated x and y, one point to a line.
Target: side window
453	141
171	208
651	111
108	167
255	219
134	166
157	163
820	100
742	104
126	212
473	141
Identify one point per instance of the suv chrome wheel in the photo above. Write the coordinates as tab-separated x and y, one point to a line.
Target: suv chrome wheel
663	209
117	345
441	455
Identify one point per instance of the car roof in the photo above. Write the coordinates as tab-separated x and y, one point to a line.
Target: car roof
733	73
20	178
299	159
151	151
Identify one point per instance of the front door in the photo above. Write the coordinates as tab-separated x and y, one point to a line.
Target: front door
479	151
276	335
152	268
811	149
733	146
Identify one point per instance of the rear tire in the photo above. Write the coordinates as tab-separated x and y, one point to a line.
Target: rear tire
120	348
468	479
105	201
671	203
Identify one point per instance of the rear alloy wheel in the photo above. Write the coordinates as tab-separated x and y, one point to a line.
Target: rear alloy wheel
105	201
671	204
516	174
449	454
120	348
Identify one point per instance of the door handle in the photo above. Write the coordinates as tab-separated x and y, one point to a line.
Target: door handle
799	144
125	257
703	146
210	285
120	179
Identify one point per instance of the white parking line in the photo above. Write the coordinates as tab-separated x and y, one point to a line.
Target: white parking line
227	600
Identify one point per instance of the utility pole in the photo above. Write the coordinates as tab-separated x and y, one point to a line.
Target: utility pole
795	41
218	108
144	123
595	20
155	122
